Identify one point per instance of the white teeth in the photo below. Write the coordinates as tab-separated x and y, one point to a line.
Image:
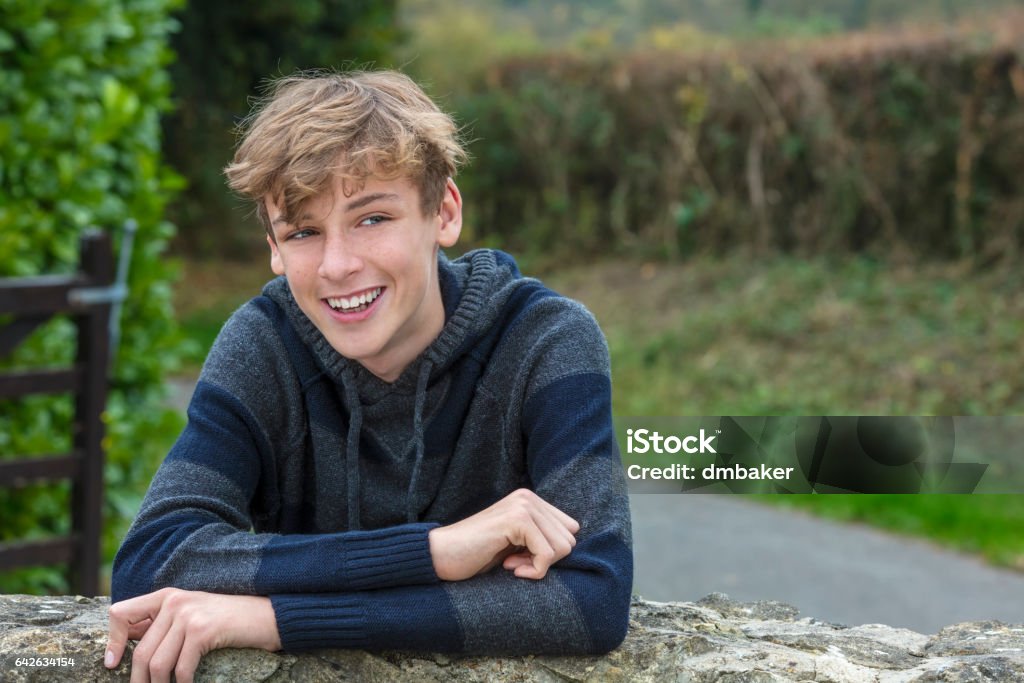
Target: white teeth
354	302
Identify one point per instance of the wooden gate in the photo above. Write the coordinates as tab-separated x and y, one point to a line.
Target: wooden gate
27	303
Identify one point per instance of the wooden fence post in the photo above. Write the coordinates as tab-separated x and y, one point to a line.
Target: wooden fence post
97	264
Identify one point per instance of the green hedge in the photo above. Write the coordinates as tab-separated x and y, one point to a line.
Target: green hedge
911	143
82	87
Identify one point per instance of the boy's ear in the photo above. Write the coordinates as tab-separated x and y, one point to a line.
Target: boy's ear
276	263
451	216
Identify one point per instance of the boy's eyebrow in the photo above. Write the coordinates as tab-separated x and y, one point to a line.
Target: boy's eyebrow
352	206
370	198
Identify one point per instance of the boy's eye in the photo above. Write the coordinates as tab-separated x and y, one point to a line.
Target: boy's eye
300	234
373	220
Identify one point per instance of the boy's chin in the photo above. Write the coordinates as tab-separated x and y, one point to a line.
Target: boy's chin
361	353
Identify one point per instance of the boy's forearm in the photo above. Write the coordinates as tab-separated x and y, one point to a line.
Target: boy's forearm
221	559
581	606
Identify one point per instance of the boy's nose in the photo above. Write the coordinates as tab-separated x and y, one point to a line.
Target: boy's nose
339	260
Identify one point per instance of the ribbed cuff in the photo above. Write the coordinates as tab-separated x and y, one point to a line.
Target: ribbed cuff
351	560
395	556
420	618
311	621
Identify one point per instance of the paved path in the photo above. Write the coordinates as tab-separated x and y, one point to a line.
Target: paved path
687	546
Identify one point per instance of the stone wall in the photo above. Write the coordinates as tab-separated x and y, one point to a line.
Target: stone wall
715	639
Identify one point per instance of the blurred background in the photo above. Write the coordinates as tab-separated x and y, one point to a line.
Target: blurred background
773	207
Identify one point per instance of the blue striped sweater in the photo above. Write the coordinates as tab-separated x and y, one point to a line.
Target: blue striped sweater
303	477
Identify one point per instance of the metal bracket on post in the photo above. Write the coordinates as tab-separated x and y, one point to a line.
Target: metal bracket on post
113	294
92	296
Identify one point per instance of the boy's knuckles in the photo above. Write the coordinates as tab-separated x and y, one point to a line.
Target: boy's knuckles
160	667
176	600
545	556
141	655
523	495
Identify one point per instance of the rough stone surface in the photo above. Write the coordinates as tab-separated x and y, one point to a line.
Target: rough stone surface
712	640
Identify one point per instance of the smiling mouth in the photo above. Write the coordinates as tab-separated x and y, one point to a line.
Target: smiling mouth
354	304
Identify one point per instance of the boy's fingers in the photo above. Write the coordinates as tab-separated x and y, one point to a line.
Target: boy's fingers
129	619
517	560
568	522
557	536
149	645
542	554
188	661
567	533
136	631
565	520
531	570
165	657
112	657
536	542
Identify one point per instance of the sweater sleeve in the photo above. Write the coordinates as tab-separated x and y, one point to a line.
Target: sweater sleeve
194	529
582	605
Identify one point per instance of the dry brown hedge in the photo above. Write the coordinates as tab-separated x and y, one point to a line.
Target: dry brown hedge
909	143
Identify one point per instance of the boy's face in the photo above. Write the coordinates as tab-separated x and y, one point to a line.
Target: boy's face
363	268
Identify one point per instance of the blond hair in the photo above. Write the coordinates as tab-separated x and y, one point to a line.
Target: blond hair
315	126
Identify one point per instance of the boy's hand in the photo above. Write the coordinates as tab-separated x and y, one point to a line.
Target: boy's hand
178	627
522	531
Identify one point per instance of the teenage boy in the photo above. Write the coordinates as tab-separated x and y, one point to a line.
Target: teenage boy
387	449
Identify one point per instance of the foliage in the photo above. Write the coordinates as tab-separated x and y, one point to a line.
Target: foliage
906	142
628	24
225	52
82	87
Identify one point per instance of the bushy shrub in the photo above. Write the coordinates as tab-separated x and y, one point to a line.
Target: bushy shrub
82	87
908	142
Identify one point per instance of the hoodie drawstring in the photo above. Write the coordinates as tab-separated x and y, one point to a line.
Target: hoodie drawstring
355	425
417	429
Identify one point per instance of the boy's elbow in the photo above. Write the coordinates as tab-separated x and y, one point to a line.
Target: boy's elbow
605	603
606	611
613	628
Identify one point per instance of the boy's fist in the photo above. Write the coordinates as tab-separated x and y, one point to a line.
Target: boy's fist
522	531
